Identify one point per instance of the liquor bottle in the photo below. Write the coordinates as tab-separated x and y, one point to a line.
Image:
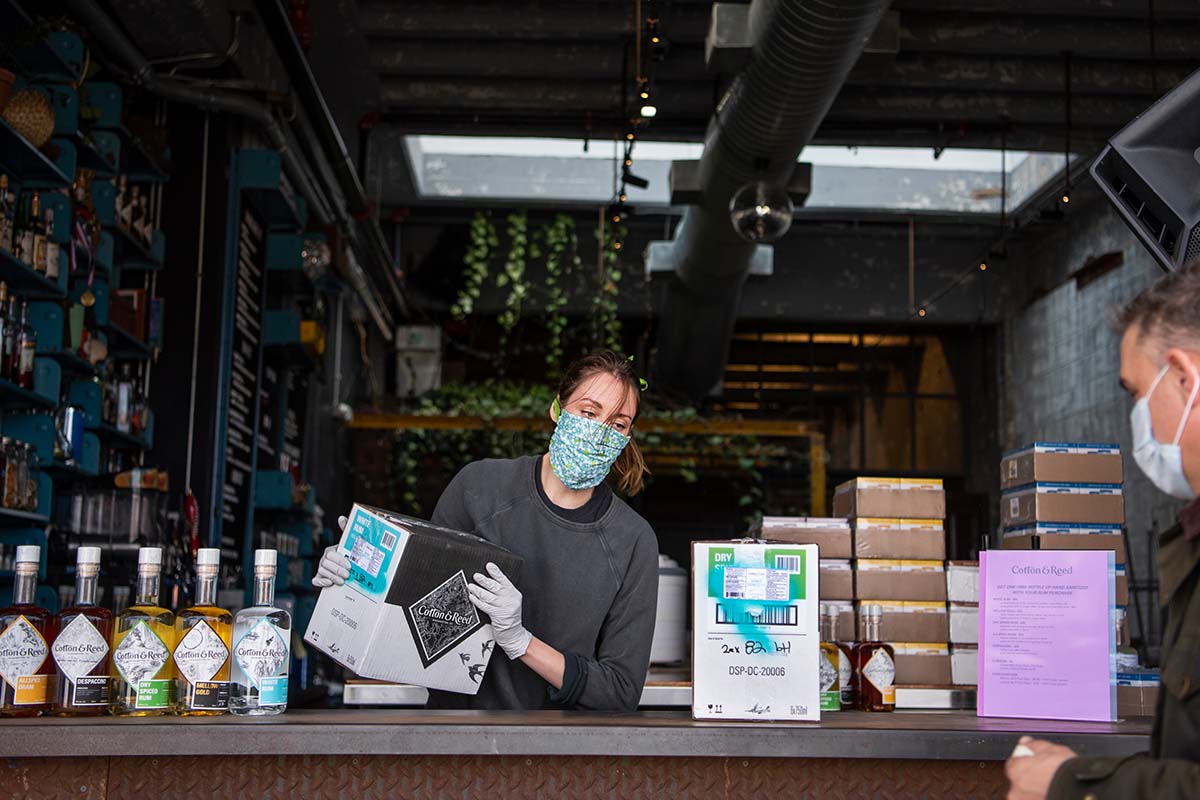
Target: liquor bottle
12	332
133	221
51	269
7	215
26	350
81	650
26	668
23	231
203	633
38	225
845	659
874	665
124	203
145	229
829	670
124	398
143	637
1125	657
138	408
262	647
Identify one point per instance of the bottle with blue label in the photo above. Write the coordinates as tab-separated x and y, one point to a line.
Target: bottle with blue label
261	647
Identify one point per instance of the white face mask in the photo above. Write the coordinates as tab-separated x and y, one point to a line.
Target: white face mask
1162	463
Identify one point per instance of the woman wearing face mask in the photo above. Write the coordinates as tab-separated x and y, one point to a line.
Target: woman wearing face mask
578	635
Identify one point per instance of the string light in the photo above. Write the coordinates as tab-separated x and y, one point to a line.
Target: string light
983	266
649	110
1066	198
616	245
920	312
629	162
623	197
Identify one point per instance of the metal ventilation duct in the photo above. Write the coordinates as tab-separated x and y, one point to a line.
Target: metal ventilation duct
802	51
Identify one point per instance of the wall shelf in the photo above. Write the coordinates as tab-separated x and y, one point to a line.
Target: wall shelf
27	164
139	166
10	518
25	281
14	397
70	362
119	439
122	344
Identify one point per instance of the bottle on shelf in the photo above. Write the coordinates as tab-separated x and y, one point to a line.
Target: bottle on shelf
8	214
51	265
145	231
31	483
125	398
123	203
262	647
26	350
133	220
829	672
37	225
81	649
12	472
143	638
203	632
22	492
845	659
26	668
874	665
23	231
11	332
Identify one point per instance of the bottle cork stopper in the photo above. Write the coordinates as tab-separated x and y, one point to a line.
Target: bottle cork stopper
150	556
88	555
28	553
208	557
265	558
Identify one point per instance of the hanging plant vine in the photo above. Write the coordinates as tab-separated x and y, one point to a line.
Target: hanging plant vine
482	242
514	271
606	325
561	252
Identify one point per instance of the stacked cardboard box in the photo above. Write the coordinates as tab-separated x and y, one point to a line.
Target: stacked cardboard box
962	590
833	541
1065	496
899	551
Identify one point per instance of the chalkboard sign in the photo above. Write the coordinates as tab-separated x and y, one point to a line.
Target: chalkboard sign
268	417
295	414
245	358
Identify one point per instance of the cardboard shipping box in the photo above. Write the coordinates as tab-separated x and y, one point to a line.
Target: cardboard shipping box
404	615
920	539
962	581
1062	462
830	535
964	623
890	497
1137	700
911	621
1094	503
922	664
756	644
964	664
837	579
1099	537
889	579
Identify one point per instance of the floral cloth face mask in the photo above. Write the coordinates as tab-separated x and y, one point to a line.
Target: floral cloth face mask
582	450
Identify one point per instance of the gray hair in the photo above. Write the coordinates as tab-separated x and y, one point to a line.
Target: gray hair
1168	310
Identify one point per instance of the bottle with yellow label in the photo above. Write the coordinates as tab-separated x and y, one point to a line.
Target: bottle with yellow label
874	665
26	668
143	637
203	633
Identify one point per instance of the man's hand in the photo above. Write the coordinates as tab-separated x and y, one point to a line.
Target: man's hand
1029	777
499	599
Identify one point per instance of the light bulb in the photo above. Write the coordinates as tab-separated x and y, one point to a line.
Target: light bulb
649	110
1066	198
921	312
983	266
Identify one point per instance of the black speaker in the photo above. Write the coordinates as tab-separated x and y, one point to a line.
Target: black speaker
1151	173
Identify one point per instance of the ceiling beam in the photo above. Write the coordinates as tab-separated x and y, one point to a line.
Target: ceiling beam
1111	9
1043	36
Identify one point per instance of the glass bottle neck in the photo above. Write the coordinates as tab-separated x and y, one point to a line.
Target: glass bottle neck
206	590
829	628
147	588
85	590
24	588
264	591
870	629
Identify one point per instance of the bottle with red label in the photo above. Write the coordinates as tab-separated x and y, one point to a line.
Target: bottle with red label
26	667
874	665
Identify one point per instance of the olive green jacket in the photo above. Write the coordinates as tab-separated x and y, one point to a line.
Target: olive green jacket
1172	767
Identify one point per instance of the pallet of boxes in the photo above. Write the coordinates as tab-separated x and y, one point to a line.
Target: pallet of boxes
899	568
1068	496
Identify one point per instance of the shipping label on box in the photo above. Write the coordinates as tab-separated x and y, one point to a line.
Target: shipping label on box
756	646
1062	462
1063	502
404	614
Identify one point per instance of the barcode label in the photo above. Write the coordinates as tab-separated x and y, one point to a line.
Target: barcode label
757	584
388	541
790	563
367	558
763	615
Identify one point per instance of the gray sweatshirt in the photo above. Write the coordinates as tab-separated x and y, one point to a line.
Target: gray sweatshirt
590	591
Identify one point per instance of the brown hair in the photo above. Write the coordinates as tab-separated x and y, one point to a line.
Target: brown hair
1168	310
630	467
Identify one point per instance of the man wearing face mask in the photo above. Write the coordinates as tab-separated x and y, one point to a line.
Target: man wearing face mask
579	634
1160	368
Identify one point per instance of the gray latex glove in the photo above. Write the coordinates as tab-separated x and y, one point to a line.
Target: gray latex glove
334	568
499	599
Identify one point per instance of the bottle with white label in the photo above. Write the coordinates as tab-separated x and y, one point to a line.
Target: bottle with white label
261	647
874	665
845	659
203	633
143	638
829	674
81	649
26	669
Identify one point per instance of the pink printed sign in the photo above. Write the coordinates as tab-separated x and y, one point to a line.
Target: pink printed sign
1046	639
